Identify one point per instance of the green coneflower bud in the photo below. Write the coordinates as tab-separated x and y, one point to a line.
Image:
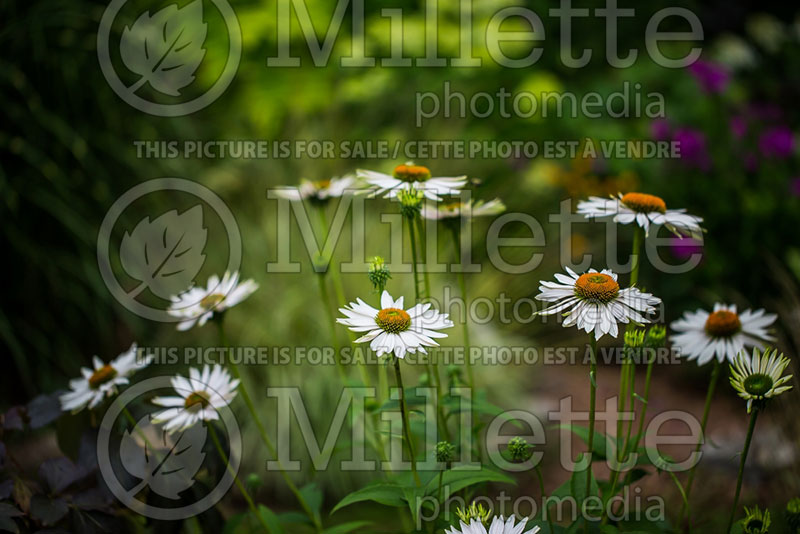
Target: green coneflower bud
474	511
755	521
445	452
378	274
519	450
656	337
793	514
634	338
410	203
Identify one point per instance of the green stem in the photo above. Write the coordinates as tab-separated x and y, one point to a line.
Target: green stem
751	427
592	403
638	237
406	426
338	288
264	436
462	286
439	491
326	303
213	433
712	385
414	258
545	514
423	254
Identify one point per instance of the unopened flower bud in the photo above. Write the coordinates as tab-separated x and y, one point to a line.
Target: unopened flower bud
656	337
378	274
755	521
410	203
445	453
519	450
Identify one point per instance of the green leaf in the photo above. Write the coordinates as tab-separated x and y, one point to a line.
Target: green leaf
386	494
599	445
577	485
457	480
271	519
479	406
413	497
313	496
344	528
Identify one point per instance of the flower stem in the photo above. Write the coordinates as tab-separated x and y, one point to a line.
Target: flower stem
326	303
213	433
263	433
638	237
712	385
545	515
462	286
592	403
423	255
412	238
406	427
751	427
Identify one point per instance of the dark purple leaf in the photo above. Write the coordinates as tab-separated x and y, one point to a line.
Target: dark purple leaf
8	525
6	487
94	499
13	418
60	473
48	511
9	510
44	409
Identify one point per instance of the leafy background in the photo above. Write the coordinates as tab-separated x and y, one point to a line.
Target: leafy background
67	153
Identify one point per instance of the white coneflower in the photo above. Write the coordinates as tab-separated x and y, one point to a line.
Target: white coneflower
199	304
102	381
644	210
319	191
759	378
410	177
393	329
199	398
723	333
471	209
594	301
499	525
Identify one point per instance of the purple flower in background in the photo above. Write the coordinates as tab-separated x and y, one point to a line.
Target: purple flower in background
692	146
776	142
794	186
711	77
684	248
738	127
660	129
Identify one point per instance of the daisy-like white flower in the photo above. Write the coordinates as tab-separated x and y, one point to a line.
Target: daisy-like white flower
594	302
644	210
759	378
393	329
723	333
199	397
199	304
103	380
410	177
319	191
499	525
471	209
